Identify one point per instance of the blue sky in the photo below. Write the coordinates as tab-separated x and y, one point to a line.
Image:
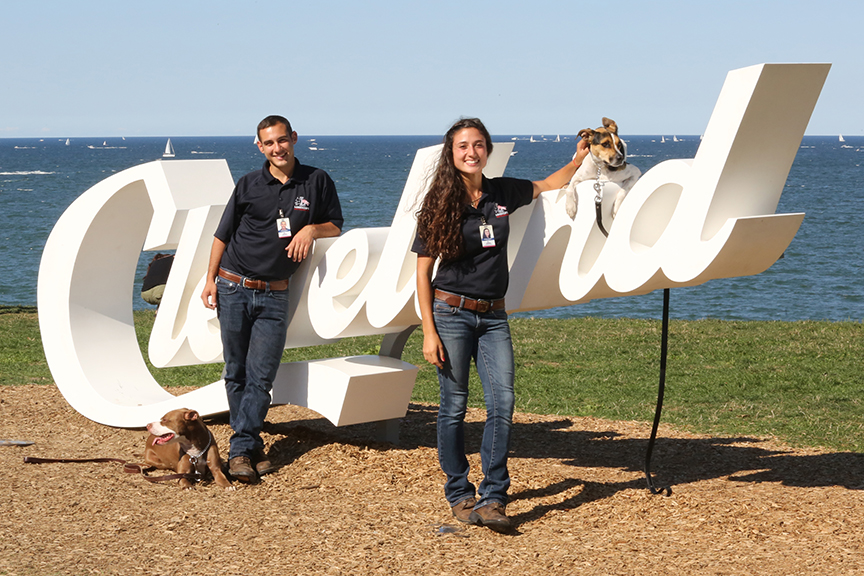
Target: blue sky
189	68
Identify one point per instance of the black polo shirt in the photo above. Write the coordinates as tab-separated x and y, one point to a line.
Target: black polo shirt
483	272
249	222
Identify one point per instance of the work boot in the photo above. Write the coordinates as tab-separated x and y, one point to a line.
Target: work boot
263	465
240	467
492	516
462	510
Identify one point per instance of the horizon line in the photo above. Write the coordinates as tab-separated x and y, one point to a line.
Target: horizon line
313	135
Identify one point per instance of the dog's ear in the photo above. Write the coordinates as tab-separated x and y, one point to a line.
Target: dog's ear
191	415
587	134
610	125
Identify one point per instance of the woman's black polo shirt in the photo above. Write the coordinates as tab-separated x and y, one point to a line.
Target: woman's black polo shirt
483	273
248	226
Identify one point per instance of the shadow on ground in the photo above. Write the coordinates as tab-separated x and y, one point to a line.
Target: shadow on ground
675	461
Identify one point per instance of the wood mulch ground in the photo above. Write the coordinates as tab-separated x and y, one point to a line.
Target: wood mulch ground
341	503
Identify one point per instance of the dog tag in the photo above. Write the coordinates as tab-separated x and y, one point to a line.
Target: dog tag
283	227
487	237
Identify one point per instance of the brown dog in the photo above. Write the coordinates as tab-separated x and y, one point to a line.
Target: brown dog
607	162
181	442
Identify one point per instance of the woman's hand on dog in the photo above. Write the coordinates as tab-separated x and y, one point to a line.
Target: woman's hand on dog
582	150
562	177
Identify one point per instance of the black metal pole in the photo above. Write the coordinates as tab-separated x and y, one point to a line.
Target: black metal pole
664	347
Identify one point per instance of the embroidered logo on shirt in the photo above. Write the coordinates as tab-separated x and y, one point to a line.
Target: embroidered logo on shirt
300	203
501	211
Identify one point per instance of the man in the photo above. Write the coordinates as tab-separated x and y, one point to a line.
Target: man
267	229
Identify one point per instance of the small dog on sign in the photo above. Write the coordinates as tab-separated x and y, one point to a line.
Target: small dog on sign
181	442
606	162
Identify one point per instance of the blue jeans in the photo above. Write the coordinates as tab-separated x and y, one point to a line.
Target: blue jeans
253	325
486	338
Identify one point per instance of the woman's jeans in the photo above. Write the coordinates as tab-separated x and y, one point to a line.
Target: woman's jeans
486	338
253	325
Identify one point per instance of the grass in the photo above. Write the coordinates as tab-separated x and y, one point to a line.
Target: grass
799	381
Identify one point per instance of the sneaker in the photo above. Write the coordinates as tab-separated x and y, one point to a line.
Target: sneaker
462	510
263	465
240	467
492	516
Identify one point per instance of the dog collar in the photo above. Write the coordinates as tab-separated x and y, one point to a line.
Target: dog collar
194	459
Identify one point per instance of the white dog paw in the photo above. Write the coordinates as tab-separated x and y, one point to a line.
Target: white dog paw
619	199
570	207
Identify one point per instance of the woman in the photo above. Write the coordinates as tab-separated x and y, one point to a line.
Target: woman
463	311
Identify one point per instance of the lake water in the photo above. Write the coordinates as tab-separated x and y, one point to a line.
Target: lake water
818	278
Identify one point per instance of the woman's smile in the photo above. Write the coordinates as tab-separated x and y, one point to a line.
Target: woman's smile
470	151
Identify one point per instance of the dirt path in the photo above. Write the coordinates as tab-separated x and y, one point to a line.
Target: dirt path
340	504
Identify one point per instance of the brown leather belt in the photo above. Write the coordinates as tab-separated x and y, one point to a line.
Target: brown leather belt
253	284
458	301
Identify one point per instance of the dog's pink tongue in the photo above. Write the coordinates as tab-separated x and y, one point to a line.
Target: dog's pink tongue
164	438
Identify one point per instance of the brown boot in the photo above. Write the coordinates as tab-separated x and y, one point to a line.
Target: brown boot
263	465
240	467
462	510
492	516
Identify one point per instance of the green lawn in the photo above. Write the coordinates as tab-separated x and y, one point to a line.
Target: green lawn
800	381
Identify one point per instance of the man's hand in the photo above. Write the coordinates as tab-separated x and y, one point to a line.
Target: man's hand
209	295
298	249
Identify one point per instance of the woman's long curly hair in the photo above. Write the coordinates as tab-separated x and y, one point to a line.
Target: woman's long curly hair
439	220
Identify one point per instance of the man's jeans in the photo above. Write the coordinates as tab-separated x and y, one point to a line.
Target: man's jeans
486	338
253	324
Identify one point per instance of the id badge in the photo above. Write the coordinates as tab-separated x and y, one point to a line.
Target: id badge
283	226
487	236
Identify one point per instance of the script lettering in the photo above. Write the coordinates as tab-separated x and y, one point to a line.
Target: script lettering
683	223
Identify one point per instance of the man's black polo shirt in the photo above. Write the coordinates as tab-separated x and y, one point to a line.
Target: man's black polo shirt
248	226
483	273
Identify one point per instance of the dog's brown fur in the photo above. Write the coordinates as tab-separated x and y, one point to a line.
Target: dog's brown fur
607	154
175	439
605	143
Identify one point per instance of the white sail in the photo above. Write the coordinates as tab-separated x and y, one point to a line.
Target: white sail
842	139
662	139
67	142
169	150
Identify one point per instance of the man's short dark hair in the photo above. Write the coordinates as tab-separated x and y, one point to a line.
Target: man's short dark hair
272	121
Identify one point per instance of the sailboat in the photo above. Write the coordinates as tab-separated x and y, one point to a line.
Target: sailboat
662	139
674	139
558	138
169	150
842	139
67	142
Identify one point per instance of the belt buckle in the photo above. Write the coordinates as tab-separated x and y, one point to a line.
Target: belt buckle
245	280
483	306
